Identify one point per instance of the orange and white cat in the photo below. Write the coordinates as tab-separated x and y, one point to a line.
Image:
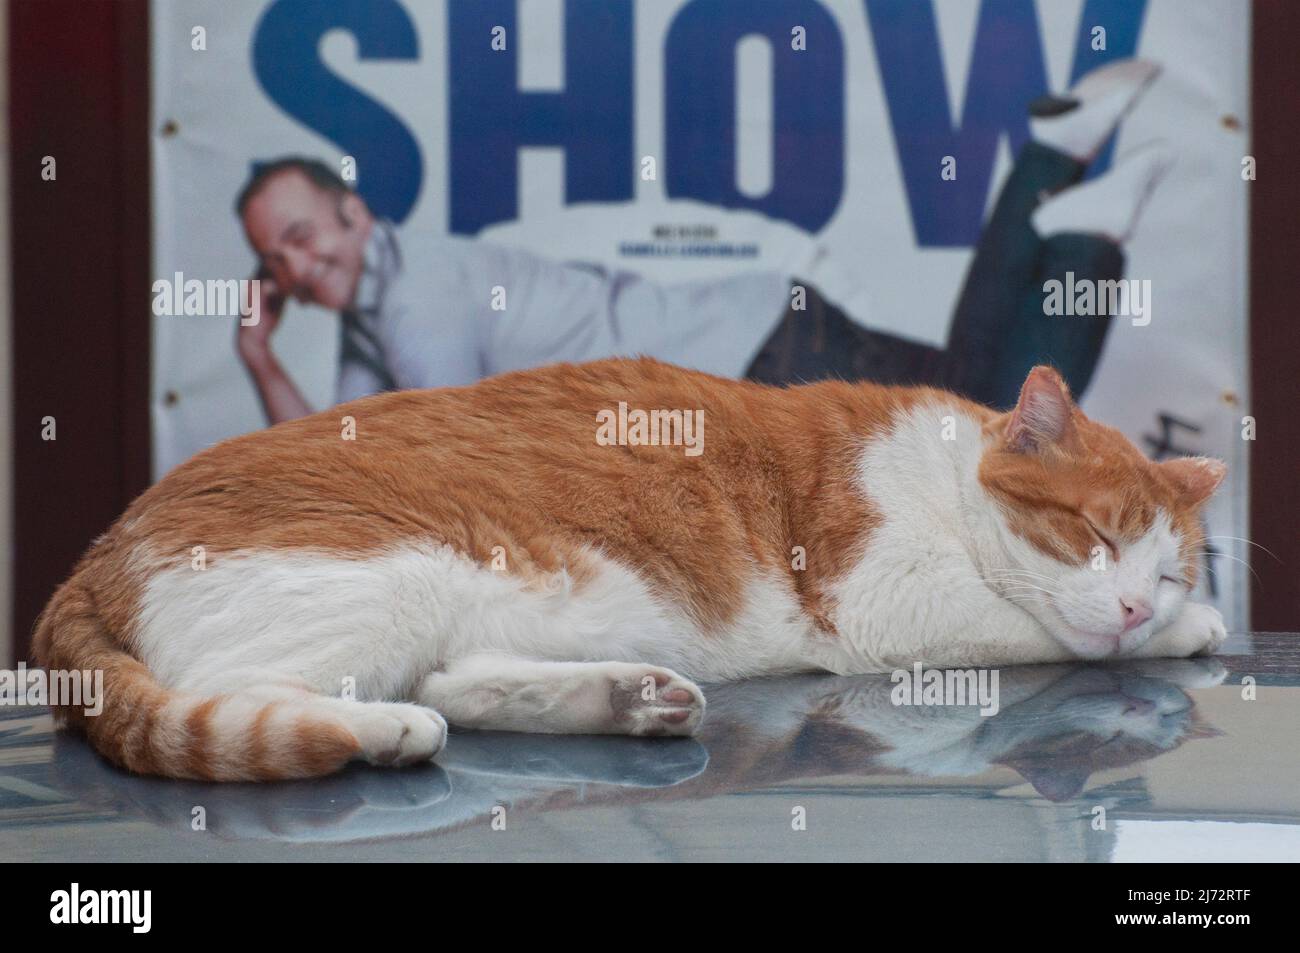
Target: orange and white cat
330	590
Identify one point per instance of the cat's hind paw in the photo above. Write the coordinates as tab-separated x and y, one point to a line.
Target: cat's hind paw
655	701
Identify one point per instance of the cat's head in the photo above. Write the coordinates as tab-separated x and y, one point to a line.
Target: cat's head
1097	542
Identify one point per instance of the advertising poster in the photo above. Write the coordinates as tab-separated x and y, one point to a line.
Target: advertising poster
785	191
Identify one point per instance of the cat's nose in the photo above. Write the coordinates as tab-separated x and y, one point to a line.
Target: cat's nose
1136	611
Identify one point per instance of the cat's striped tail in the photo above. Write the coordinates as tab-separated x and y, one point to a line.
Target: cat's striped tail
147	728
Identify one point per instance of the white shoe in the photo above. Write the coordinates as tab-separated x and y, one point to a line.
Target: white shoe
1080	122
1111	205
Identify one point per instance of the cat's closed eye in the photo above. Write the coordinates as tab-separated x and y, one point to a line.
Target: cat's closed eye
1105	540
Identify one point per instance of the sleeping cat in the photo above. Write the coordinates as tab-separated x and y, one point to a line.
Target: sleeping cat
332	588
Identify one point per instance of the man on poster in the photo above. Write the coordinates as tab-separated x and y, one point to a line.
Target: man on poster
439	311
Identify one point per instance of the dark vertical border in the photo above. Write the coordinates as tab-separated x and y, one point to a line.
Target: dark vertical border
79	85
1274	321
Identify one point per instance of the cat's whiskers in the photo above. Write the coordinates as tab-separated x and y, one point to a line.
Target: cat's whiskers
1236	560
1006	579
1248	542
1008	586
1020	572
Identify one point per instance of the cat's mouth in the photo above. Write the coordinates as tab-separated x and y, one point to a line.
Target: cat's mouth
1084	642
1109	644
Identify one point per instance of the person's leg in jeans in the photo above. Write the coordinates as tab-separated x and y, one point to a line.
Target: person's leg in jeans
992	325
1004	273
1006	265
995	308
1082	233
1070	343
820	342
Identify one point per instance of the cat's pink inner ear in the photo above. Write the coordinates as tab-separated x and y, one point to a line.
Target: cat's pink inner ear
1196	477
1044	413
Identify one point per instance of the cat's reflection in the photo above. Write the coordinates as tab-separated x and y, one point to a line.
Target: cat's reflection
1055	727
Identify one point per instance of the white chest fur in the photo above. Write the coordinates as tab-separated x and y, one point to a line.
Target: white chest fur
917	592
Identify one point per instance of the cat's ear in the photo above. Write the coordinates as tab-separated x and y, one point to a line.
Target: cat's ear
1043	416
1196	477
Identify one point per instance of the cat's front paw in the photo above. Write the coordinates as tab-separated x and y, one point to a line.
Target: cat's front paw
655	701
1196	630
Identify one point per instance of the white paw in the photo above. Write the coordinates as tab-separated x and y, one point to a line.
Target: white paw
395	734
1197	630
655	701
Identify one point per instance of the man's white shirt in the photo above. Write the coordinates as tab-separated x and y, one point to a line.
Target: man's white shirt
424	315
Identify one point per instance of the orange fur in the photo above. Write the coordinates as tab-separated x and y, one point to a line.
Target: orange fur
513	462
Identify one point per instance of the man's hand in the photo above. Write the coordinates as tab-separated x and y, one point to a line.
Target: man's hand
253	341
280	397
